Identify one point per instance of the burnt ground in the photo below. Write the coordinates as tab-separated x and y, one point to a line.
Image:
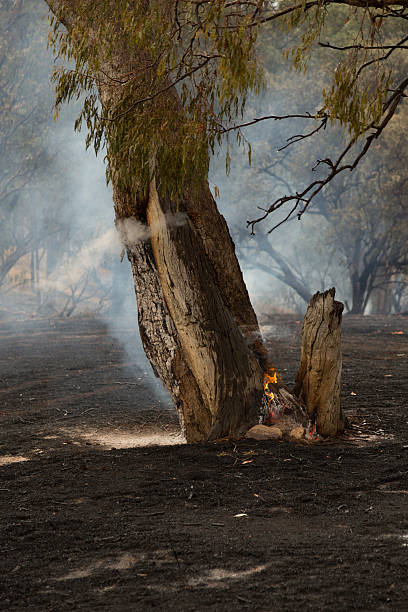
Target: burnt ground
89	521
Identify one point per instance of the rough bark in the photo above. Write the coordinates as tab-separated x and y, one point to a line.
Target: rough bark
159	338
318	379
197	324
224	368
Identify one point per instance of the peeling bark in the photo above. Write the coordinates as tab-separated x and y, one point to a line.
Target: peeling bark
159	339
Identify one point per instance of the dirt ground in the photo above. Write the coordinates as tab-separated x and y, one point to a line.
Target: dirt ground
94	518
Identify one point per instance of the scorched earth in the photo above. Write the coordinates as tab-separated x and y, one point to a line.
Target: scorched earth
95	518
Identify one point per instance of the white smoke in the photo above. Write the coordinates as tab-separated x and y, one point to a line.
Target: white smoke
132	231
71	268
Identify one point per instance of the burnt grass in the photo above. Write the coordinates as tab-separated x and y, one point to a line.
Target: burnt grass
239	525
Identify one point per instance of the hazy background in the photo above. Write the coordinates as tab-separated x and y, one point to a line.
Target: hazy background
59	252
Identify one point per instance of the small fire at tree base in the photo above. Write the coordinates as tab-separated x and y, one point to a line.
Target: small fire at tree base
315	403
281	411
281	414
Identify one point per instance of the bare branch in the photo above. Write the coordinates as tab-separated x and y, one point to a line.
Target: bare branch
302	200
399	45
298	137
225	130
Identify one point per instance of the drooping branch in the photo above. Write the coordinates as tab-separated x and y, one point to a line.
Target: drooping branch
238	126
300	201
273	14
381	4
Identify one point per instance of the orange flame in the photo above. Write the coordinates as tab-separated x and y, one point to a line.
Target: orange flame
270	378
311	432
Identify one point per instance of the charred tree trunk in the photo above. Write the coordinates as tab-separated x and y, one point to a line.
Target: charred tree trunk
317	382
358	295
382	300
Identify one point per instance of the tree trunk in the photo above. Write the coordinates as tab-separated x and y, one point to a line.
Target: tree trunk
286	276
317	382
200	335
196	321
381	300
358	294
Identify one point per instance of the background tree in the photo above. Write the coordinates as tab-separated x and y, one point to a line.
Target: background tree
357	221
42	233
23	108
357	226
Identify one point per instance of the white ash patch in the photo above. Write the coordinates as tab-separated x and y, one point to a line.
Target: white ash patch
8	459
128	438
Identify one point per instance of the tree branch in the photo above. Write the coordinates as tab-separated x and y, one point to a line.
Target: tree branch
306	196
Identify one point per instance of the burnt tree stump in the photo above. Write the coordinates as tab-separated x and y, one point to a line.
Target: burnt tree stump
318	379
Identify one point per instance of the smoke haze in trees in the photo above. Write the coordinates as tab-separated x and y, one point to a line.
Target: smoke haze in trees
352	237
75	252
355	233
303	245
61	215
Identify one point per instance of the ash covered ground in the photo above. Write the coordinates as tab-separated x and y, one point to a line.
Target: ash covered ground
104	508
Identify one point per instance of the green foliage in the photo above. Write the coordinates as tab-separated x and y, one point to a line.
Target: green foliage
360	220
173	75
356	106
355	94
308	24
181	77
